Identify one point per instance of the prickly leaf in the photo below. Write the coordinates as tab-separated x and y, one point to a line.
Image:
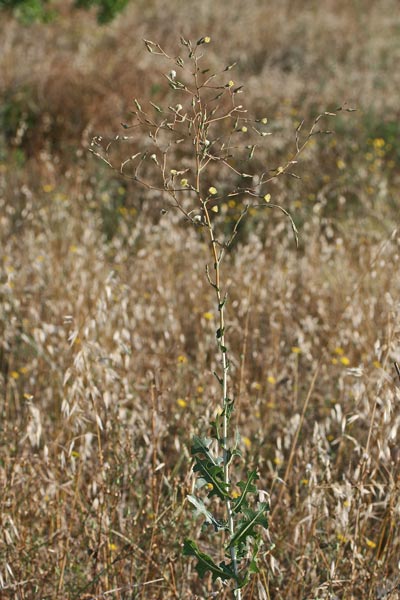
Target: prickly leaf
205	563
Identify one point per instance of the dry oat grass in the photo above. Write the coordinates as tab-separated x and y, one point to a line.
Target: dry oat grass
107	336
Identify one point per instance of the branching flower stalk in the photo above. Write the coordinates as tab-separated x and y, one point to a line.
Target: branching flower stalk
199	154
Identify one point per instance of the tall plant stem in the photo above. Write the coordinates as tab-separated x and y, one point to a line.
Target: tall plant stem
217	258
225	397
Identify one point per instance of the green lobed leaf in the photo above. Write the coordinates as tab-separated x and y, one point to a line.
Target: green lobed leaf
253	567
209	467
202	446
202	510
214	475
206	563
228	407
246	527
216	426
246	487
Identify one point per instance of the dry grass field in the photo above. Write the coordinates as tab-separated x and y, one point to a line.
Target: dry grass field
107	321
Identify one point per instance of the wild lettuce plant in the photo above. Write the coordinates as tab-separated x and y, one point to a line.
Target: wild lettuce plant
201	152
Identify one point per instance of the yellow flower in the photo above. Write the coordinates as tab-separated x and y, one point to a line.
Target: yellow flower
232	203
208	316
377	364
370	543
14	374
181	402
48	187
267	197
112	547
334	361
182	359
304	482
215	209
341	538
264	120
345	361
271	379
207	39
235	494
184	182
339	351
244	129
256	385
340	164
379	143
278	461
296	350
200	389
231	83
212	191
246	442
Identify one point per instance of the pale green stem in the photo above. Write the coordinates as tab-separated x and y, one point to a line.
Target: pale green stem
217	260
225	398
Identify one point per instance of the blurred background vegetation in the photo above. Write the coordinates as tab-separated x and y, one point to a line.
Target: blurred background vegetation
30	11
106	323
